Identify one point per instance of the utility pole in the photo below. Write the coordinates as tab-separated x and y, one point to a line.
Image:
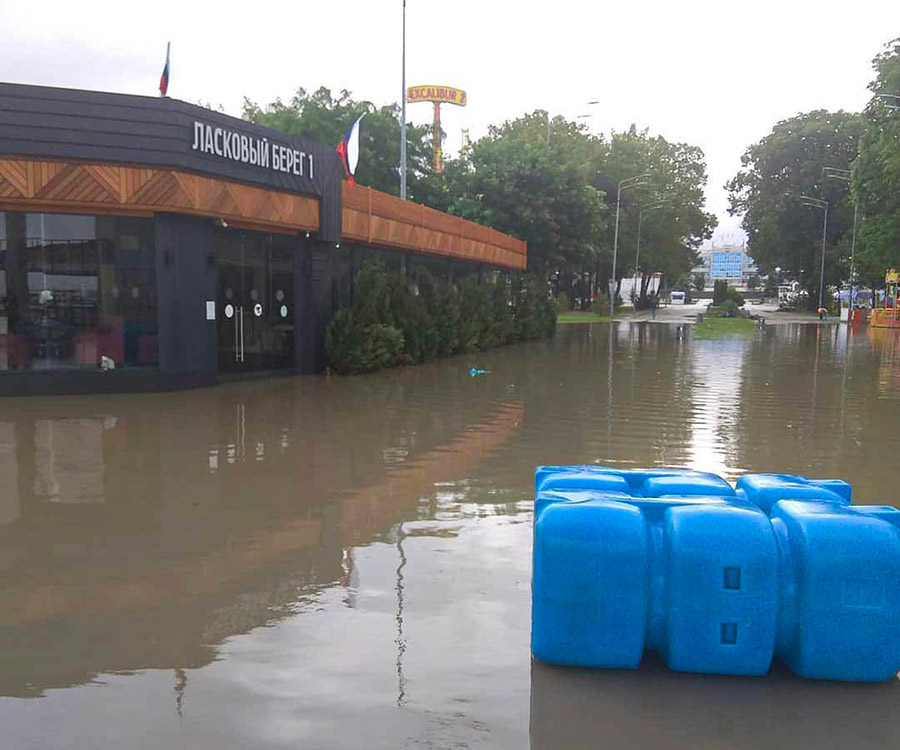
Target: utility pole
628	182
845	175
637	254
823	204
403	114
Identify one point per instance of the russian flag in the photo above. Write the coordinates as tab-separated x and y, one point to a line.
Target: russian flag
349	150
164	78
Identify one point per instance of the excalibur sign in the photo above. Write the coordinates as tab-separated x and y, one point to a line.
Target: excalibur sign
438	95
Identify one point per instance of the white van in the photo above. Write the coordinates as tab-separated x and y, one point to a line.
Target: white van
677	298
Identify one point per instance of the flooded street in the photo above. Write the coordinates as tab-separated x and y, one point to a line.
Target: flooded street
345	562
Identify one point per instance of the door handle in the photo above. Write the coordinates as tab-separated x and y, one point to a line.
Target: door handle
242	333
236	350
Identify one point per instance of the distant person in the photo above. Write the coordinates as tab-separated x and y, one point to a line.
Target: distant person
822	313
654	306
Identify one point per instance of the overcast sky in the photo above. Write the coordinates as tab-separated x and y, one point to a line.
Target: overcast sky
714	74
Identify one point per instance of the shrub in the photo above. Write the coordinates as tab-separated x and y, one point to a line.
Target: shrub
535	314
392	322
354	349
502	323
447	322
600	305
727	309
371	303
343	343
474	315
720	291
408	314
735	296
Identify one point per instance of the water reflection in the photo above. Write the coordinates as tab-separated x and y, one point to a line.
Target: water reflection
717	372
122	531
309	551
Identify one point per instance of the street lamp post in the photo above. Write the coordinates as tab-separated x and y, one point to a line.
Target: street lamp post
628	182
403	114
819	203
844	174
637	253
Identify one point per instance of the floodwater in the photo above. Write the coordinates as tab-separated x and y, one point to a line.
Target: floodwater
345	562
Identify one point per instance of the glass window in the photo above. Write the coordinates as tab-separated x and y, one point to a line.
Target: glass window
76	292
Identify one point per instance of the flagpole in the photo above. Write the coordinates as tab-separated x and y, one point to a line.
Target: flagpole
403	115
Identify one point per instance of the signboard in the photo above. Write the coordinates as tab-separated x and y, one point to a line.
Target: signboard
138	131
248	149
441	94
892	276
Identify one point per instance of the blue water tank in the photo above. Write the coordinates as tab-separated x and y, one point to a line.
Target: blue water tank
715	579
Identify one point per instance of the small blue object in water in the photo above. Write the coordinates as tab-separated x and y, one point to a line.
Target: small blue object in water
715	579
475	371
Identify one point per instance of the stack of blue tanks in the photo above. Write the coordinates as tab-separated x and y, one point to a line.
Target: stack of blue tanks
713	578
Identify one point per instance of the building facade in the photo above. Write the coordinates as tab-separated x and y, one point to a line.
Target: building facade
730	263
148	243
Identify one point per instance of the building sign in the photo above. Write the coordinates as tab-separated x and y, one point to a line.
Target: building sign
442	94
247	149
163	133
892	276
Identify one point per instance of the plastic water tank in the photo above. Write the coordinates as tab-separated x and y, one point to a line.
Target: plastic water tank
715	579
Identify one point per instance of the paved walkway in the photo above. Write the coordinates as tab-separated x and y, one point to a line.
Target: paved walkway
688	314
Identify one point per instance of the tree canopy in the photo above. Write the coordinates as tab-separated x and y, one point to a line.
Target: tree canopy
558	195
514	181
781	168
876	172
326	118
671	233
561	197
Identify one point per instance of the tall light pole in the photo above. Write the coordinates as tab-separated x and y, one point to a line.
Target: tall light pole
628	182
637	253
819	203
844	174
403	114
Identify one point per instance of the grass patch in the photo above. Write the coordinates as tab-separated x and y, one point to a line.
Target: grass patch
715	328
580	316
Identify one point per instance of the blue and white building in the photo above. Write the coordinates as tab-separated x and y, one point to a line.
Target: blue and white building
730	263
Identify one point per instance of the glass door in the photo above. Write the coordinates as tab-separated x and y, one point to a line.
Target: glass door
231	298
254	293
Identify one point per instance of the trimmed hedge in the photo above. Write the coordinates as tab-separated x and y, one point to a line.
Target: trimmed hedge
390	324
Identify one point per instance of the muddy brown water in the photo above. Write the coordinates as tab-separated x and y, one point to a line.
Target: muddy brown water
345	563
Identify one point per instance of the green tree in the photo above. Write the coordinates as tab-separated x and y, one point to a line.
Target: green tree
779	169
753	281
876	172
325	118
670	235
513	181
699	282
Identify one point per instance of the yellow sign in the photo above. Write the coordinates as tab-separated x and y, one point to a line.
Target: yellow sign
442	94
892	276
